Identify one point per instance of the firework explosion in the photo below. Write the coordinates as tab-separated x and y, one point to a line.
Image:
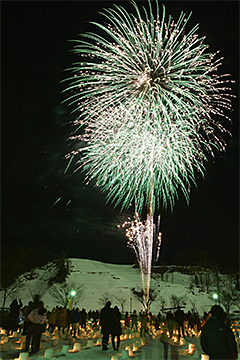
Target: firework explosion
150	104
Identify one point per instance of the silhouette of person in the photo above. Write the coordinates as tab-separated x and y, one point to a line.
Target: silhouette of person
116	329
217	339
106	320
180	317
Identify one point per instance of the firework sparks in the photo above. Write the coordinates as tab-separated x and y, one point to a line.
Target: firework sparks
140	239
150	102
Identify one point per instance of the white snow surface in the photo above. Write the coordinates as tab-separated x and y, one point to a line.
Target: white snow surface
152	350
99	278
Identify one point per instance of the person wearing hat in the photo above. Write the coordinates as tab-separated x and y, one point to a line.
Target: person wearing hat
217	339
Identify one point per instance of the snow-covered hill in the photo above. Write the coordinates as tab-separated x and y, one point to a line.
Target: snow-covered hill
99	278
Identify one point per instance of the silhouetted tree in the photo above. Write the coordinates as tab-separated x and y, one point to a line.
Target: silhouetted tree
62	292
228	294
176	300
194	256
139	295
14	263
61	270
104	298
121	300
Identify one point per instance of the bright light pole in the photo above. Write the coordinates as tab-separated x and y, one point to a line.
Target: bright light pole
73	293
215	297
70	306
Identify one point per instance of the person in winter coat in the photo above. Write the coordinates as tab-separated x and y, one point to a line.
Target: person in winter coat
217	339
134	318
12	323
144	318
179	318
95	318
197	321
127	320
62	319
75	319
25	314
83	318
171	323
106	320
116	328
28	324
157	321
69	319
52	319
38	318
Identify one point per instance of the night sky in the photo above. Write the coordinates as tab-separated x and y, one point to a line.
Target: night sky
42	206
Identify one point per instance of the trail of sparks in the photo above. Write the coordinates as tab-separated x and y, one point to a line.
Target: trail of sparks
140	239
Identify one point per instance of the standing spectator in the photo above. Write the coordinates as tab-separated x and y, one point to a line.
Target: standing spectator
12	323
106	320
83	318
95	317
127	320
159	320
38	318
97	314
217	339
62	319
171	323
75	317
4	318
180	317
69	319
116	328
31	306
190	319
144	322
134	318
25	314
52	319
90	315
197	322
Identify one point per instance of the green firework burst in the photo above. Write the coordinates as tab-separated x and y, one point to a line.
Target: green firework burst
150	103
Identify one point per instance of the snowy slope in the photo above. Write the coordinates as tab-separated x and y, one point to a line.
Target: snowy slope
99	278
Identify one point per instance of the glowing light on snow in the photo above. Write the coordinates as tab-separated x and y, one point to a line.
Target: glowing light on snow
150	105
191	348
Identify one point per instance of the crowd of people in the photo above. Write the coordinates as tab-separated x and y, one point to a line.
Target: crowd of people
217	339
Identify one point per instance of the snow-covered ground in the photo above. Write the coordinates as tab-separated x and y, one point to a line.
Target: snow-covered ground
99	278
132	347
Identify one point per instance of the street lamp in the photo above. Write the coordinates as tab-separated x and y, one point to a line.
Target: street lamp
70	301
215	297
73	293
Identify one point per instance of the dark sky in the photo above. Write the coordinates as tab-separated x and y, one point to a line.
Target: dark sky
40	205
